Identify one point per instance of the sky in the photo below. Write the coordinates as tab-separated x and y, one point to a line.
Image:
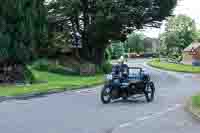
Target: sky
188	7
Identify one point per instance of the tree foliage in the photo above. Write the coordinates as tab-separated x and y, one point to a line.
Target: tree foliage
179	33
117	50
135	42
99	21
197	36
21	28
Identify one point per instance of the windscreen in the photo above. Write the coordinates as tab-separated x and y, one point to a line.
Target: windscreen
135	71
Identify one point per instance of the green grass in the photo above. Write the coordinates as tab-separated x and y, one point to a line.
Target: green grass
196	101
53	82
174	67
193	106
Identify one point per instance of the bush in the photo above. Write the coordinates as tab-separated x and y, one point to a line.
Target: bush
29	76
106	67
46	65
42	64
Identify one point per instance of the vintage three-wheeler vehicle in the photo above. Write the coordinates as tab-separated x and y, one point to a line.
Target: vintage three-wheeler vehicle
126	83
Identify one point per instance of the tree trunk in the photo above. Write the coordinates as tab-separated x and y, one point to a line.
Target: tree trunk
77	23
93	55
76	54
99	56
85	53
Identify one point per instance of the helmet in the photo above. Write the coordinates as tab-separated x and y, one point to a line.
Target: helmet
121	59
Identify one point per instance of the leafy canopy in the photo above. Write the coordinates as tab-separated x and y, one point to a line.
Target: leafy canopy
21	27
117	50
179	33
99	21
135	42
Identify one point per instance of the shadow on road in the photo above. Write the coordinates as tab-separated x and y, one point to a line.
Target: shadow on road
130	101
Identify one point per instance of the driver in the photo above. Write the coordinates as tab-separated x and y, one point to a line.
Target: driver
124	69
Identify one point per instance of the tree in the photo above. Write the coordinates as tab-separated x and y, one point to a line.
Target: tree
22	29
135	42
117	50
99	21
179	33
197	36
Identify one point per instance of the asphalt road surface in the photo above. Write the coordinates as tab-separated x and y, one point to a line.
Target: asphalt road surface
83	112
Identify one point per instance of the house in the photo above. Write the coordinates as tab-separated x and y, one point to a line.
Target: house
191	54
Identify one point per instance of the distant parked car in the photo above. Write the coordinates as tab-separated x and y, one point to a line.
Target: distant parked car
134	55
147	55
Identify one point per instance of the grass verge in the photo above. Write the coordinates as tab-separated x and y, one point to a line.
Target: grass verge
193	106
196	101
174	67
52	81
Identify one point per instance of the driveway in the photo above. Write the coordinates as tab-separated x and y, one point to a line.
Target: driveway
83	112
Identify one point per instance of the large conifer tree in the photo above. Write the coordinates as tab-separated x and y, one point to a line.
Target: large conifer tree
22	26
99	21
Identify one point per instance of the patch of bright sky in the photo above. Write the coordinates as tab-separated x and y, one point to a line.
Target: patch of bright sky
188	7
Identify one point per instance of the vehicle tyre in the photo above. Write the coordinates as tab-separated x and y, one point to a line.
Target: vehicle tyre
125	96
106	94
149	92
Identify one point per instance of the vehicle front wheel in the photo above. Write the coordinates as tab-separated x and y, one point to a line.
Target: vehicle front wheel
106	94
149	92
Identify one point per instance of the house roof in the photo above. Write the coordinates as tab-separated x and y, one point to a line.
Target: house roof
194	45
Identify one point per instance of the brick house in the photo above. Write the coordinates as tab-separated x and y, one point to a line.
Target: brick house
191	54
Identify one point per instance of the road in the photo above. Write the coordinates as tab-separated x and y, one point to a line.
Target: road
83	112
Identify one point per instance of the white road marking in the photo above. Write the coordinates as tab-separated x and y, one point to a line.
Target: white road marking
159	114
125	125
148	117
83	92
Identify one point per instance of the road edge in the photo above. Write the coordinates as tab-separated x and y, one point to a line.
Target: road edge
157	69
170	71
145	64
176	74
56	91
